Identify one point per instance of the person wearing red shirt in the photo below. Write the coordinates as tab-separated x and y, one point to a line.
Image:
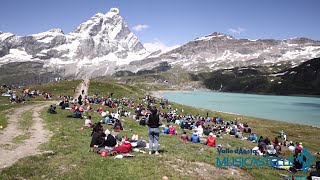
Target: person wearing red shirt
211	140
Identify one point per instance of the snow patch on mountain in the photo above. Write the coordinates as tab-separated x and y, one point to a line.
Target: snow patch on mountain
104	44
214	35
4	36
16	55
103	40
159	46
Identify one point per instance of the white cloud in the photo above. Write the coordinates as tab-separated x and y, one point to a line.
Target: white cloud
140	27
158	45
237	30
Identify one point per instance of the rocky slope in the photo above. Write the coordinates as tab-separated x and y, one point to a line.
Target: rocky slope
104	45
98	46
302	79
220	51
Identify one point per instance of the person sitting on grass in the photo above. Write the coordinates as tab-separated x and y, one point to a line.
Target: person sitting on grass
184	137
96	128
315	174
211	140
110	140
200	130
255	138
195	138
107	119
74	107
278	148
249	130
261	139
117	128
89	108
267	141
125	147
118	124
271	151
81	108
172	130
219	135
52	110
238	134
275	141
76	114
166	129
88	122
100	110
250	137
206	131
98	140
262	147
297	163
142	121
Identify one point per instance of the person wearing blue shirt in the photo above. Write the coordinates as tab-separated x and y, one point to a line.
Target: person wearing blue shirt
107	120
195	138
166	130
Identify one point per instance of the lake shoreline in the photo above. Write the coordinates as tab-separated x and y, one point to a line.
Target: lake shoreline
158	94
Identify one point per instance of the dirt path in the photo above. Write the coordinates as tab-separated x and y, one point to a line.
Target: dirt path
29	146
83	86
39	134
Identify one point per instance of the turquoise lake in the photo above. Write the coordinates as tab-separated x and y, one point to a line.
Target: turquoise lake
295	109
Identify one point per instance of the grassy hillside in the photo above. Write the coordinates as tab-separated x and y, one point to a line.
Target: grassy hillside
56	88
175	79
105	88
269	79
303	79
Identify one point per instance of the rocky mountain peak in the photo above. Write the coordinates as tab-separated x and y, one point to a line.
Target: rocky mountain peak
215	35
114	10
104	44
56	30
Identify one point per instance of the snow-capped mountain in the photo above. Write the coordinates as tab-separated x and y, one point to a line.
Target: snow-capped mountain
97	47
104	45
217	51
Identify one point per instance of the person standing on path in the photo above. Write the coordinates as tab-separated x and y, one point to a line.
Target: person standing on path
80	100
154	122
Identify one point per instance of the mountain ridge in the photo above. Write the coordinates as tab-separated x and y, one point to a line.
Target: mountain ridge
101	41
104	45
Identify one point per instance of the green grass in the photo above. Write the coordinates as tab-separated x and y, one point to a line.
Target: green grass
5	107
176	79
24	124
179	160
105	88
26	121
19	139
3	120
56	88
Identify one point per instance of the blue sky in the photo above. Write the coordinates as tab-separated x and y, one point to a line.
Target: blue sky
171	22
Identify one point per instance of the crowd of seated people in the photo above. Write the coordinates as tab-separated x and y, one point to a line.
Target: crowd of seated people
208	128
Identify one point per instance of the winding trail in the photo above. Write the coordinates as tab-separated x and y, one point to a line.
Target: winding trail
39	135
84	85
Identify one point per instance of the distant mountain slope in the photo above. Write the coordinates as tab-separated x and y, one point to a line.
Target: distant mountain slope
220	51
104	45
303	79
